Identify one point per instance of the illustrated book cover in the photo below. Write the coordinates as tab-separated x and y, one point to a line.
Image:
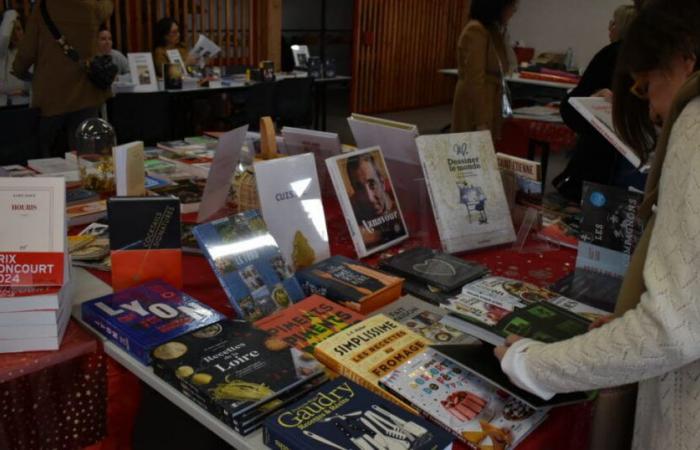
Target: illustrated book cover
141	318
144	240
343	415
247	261
466	192
306	324
350	283
368	200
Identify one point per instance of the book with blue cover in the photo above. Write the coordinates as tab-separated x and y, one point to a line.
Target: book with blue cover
342	415
141	318
249	265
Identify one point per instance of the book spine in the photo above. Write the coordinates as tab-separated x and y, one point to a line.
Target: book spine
114	335
276	441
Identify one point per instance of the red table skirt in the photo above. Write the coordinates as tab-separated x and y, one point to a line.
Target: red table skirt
566	428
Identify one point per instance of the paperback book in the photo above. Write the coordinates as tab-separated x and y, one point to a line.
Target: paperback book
425	319
370	350
473	410
144	240
141	318
129	169
188	191
466	192
232	369
494	308
522	181
368	200
247	261
306	324
85	213
443	271
290	201
350	283
343	415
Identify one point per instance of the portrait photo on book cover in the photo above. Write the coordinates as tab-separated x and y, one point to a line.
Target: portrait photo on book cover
372	198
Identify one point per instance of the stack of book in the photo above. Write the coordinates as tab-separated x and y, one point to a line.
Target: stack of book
35	291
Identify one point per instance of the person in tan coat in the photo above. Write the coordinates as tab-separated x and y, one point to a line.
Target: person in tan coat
482	60
60	87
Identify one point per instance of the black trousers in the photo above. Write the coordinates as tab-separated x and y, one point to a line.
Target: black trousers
57	133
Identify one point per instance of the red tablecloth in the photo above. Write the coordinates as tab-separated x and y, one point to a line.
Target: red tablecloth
566	428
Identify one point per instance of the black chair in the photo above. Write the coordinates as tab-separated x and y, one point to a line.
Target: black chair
293	102
19	135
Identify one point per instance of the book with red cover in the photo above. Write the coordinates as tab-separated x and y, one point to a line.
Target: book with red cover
305	324
144	240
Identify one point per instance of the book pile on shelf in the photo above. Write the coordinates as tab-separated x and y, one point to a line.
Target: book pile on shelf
35	285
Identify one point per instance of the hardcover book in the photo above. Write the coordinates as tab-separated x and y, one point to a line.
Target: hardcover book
440	270
231	369
290	200
141	318
494	308
425	319
350	283
368	200
469	202
370	350
470	408
343	415
247	261
144	240
32	231
322	144
129	169
309	322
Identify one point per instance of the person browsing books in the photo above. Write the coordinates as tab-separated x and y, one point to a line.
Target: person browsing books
104	47
166	36
374	207
482	59
654	338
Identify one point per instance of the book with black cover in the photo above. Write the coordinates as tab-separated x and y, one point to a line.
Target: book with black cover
144	240
231	368
437	269
480	360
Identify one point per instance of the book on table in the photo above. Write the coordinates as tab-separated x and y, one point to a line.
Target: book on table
522	181
290	201
238	373
247	261
189	191
140	318
144	240
129	169
466	192
494	308
368	200
322	144
343	415
472	409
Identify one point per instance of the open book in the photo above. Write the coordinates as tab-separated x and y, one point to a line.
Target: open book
598	112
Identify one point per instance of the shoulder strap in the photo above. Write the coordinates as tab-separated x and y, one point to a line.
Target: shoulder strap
69	51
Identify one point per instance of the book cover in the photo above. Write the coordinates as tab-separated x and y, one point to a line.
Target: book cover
428	293
305	324
522	181
79	195
143	72
290	200
144	240
493	308
85	213
247	261
48	166
129	169
141	318
205	141
343	415
370	350
437	269
231	368
172	76
368	200
473	410
425	319
466	191
16	171
322	144
350	283
32	231
188	191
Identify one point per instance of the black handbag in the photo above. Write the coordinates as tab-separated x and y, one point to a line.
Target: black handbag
101	71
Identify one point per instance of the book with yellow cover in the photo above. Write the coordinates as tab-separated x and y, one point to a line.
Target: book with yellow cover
370	350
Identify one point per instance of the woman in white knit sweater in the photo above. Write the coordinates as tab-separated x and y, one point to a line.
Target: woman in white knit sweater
657	341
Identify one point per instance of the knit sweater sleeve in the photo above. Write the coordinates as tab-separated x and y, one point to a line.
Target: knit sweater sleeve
662	333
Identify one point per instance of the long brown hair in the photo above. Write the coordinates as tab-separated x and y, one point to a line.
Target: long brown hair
663	30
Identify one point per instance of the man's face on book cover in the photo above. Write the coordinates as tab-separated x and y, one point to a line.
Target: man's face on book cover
368	185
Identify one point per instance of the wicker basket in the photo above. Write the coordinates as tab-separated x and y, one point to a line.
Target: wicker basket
246	187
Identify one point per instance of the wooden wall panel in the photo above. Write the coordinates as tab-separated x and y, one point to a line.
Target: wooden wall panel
399	46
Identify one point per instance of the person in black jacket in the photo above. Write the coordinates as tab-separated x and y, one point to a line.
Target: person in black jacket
594	158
